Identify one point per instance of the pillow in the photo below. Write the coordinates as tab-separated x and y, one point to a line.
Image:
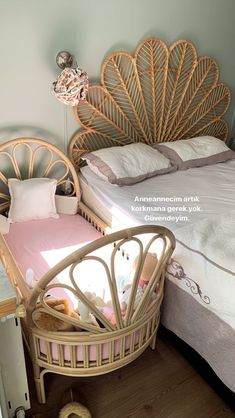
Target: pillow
4	225
128	164
196	152
32	199
68	205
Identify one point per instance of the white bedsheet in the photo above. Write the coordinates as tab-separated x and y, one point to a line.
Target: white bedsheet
205	241
185	196
205	266
199	303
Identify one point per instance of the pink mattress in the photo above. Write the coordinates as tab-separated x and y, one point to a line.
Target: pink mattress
41	244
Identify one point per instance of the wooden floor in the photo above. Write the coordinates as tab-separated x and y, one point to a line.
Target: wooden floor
159	384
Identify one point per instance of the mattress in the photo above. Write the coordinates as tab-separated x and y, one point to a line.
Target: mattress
172	200
39	245
198	206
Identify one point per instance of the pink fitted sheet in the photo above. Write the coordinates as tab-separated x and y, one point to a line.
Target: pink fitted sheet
41	244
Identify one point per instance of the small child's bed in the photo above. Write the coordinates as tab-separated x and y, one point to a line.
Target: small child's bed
69	277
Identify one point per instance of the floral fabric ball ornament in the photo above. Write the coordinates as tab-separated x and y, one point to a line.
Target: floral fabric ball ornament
71	86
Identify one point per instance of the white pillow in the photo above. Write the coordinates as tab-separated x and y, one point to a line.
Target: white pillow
32	199
196	152
68	205
128	164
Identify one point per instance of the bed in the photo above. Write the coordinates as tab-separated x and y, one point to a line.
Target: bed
166	97
65	268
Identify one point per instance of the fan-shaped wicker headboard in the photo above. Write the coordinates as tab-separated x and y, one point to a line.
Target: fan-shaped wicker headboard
159	94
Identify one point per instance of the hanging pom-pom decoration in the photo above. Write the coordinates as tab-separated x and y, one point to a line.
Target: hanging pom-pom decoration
71	86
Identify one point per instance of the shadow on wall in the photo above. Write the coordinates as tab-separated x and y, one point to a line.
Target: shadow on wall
22	131
233	121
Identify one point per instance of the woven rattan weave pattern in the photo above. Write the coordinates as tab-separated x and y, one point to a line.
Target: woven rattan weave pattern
158	94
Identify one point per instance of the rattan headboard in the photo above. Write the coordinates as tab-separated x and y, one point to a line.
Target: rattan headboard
25	158
159	94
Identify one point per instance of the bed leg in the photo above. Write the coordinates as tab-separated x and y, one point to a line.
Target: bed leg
39	383
153	342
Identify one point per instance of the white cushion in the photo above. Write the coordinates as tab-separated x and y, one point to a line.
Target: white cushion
32	199
68	205
128	164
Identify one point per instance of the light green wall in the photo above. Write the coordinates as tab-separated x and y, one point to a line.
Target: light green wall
33	31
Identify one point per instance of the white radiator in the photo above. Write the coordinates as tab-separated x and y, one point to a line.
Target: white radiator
13	380
3	405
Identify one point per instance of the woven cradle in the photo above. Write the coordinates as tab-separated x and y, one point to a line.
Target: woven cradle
97	350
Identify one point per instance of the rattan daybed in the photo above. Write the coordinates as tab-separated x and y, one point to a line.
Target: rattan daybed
89	349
